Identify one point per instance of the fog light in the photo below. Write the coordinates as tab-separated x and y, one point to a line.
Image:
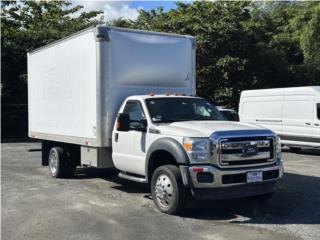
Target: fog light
204	177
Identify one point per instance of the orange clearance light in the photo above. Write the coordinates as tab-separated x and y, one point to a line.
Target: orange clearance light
118	125
151	94
166	93
187	146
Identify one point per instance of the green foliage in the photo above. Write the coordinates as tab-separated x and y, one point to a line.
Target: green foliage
28	25
240	45
244	45
310	39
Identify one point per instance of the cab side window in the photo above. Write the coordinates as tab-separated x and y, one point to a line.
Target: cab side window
135	112
318	110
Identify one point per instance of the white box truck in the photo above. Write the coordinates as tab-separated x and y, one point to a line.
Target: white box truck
97	99
292	113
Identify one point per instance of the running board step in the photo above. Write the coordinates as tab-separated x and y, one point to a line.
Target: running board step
132	178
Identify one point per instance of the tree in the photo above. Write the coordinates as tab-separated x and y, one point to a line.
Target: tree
310	39
244	45
224	48
26	25
240	45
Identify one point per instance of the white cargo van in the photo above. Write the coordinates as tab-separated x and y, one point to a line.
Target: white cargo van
97	99
292	113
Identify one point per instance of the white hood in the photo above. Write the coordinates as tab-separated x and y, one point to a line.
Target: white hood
202	128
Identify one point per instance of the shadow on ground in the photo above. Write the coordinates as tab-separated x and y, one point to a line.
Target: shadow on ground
296	201
112	176
20	140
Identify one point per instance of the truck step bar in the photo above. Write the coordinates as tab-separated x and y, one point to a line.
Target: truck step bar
132	177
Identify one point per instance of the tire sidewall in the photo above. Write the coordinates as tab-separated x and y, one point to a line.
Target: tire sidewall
174	206
56	152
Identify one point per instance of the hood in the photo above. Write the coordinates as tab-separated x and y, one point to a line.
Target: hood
203	128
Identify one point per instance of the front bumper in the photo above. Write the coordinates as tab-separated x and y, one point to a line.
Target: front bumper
232	180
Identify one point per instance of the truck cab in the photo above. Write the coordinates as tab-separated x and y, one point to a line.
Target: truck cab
182	145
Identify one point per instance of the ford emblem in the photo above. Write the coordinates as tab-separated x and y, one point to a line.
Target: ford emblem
249	151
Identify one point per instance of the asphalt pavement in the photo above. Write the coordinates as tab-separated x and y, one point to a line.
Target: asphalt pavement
98	205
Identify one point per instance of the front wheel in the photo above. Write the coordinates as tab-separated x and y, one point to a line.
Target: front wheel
168	191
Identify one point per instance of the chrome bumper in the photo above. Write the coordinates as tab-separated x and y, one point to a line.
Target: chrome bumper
220	174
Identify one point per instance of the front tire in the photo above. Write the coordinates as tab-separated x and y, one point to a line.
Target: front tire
60	166
168	191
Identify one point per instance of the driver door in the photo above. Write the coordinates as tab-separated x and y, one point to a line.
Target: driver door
129	147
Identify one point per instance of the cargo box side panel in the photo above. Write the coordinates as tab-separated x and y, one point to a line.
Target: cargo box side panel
62	89
144	60
140	63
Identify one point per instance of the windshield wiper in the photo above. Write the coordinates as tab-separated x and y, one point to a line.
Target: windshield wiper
202	118
173	120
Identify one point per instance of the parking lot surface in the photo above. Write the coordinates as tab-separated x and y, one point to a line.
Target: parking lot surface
98	205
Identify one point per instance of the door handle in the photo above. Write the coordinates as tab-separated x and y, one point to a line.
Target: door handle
116	137
308	124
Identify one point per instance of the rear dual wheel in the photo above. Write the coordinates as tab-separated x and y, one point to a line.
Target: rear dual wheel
60	165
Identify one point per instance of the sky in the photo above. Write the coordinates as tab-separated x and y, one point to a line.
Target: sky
124	9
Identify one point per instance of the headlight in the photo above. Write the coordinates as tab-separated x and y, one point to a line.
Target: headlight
198	149
278	148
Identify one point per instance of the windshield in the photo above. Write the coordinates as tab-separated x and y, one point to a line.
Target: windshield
230	115
166	110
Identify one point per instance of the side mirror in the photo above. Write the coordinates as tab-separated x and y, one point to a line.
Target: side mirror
123	122
139	125
144	123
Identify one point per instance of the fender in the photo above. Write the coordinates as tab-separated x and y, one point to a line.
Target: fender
170	145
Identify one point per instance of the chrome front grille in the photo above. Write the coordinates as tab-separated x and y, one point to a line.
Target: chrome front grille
227	148
246	151
236	145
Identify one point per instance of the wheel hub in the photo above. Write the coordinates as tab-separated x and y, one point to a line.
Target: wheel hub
53	162
164	190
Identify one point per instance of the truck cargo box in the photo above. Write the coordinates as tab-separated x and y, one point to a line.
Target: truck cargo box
76	85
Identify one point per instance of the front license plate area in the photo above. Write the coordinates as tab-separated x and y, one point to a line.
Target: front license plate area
253	177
